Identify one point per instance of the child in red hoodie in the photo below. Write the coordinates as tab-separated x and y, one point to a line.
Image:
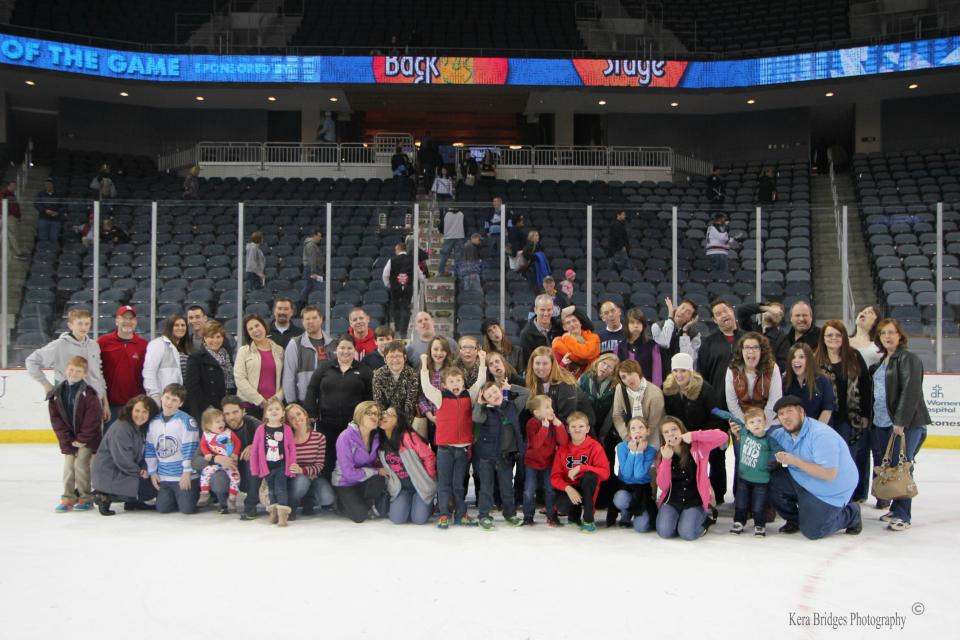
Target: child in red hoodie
544	433
578	469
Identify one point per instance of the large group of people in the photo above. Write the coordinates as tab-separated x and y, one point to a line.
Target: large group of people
626	416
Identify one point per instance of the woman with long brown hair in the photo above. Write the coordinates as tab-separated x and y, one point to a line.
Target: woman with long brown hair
803	380
545	376
495	341
753	377
847	372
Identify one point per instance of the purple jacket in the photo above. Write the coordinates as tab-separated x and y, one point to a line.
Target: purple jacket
258	454
354	462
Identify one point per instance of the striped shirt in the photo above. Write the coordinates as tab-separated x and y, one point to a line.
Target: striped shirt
311	455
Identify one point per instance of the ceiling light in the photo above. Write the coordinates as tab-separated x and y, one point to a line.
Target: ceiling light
199	98
516	147
674	104
829	94
271	98
913	86
751	101
29	83
601	102
458	144
334	99
124	94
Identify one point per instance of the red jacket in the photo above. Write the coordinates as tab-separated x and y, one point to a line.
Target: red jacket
122	366
13	207
542	443
87	418
366	346
455	419
589	455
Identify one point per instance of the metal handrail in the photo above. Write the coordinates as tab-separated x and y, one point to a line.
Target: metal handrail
842	224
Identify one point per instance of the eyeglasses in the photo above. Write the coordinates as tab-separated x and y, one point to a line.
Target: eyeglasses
389	414
372	412
468	347
752	348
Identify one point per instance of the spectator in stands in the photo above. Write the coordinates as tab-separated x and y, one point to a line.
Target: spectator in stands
102	184
400	164
9	193
763	318
209	375
516	238
258	367
429	158
804	380
122	354
472	264
312	263
560	299
635	396
678	333
546	377
577	348
864	338
567	285
396	384
493	226
363	339
384	336
535	266
637	346
468	359
255	263
110	233
802	330
811	491
303	355
359	482
495	341
850	379
191	184
336	387
687	396
328	129
244	427
598	383
424	333
165	361
716	187
282	330
718	243
411	469
440	357
50	212
618	241
612	334
716	350
470	170
541	330
308	486
767	187
488	167
899	410
453	237
401	288
119	471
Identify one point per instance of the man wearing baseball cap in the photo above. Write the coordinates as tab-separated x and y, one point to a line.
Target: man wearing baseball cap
122	353
812	493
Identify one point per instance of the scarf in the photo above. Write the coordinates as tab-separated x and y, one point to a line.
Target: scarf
636	399
761	389
222	356
854	401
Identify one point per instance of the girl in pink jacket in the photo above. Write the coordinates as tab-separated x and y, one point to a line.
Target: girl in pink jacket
683	479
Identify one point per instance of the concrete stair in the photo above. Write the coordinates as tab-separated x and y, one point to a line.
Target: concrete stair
441	293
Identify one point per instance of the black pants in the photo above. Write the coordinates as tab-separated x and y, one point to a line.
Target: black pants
331	430
400	314
587	486
355	501
718	472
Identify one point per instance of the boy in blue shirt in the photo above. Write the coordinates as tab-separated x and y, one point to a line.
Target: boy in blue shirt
172	439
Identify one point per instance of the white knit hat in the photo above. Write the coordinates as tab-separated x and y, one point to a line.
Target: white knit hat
681	361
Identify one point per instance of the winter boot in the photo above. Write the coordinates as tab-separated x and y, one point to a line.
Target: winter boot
283	514
103	504
274	517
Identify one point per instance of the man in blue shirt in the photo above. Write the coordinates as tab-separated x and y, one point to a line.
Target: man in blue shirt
813	488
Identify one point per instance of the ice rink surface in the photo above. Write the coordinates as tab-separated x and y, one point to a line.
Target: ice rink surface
143	575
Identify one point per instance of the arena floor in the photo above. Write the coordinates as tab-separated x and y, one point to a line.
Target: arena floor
142	575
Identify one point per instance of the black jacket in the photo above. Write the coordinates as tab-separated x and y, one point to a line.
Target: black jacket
694	412
618	237
205	383
716	189
713	360
781	348
904	386
333	394
283	338
747	321
401	264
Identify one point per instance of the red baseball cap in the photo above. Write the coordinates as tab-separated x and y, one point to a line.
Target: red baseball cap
126	309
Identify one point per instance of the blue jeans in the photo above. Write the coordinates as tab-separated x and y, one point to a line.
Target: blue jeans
451	472
316	493
533	478
470	282
48	229
719	262
502	468
277	484
816	518
750	496
308	283
454	245
253	281
619	259
688	524
170	497
623	500
408	506
915	438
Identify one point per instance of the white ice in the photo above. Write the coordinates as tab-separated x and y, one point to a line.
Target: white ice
144	575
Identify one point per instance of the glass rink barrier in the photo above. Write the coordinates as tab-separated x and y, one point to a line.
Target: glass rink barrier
243	248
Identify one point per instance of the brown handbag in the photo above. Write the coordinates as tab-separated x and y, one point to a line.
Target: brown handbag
894	482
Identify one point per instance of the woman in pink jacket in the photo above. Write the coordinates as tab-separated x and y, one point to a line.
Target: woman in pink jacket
411	469
683	478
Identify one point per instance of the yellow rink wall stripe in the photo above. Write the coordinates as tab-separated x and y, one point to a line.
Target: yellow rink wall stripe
47	436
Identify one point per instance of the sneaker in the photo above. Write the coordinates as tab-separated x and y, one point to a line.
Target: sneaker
86	505
248	515
204	499
443	522
528	522
514	521
224	511
466	521
789	527
898	525
759	532
485	523
63	507
588	527
737	528
888	517
625	524
554	523
856	527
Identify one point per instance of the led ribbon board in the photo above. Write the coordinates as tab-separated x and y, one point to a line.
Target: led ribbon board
532	72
